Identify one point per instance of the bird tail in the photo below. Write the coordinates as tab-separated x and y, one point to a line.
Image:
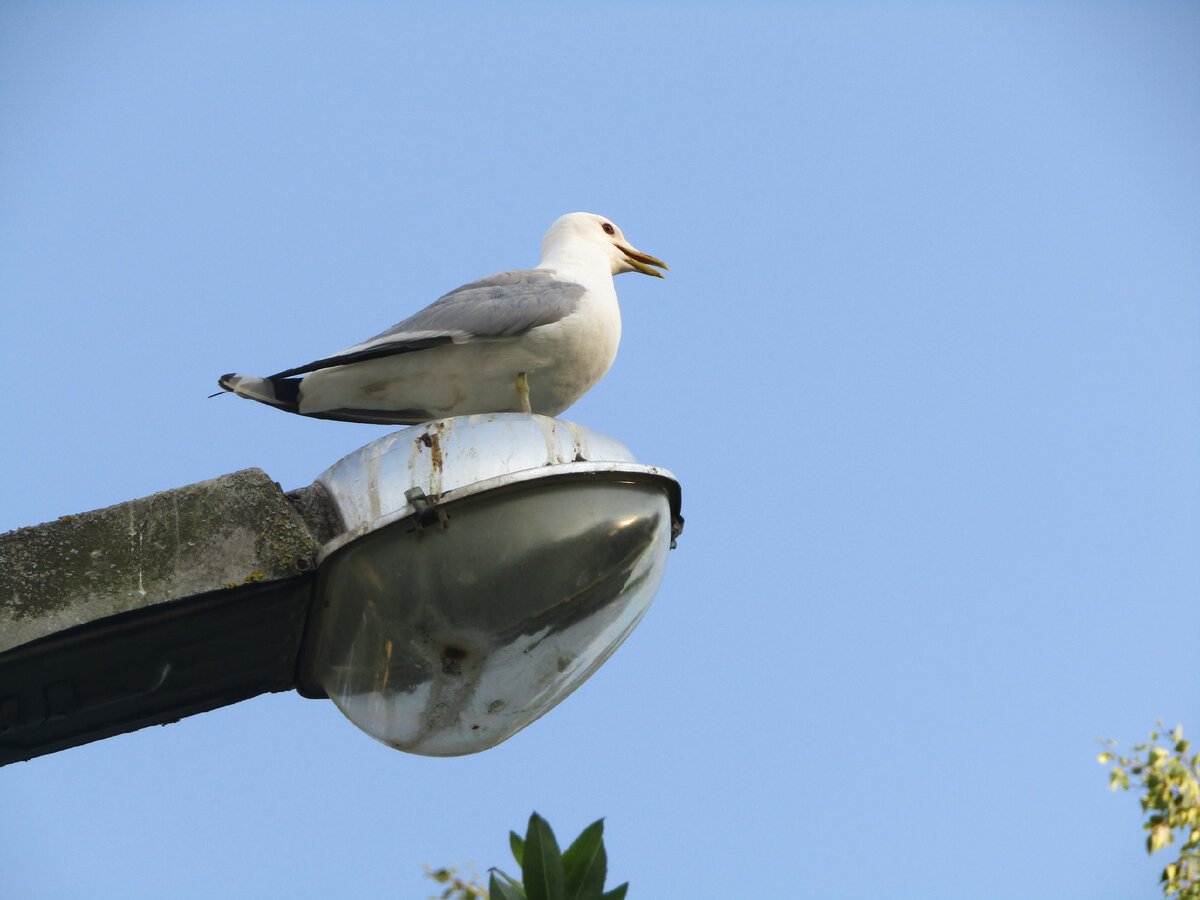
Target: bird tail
282	393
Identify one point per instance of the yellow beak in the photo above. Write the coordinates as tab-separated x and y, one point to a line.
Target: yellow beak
643	261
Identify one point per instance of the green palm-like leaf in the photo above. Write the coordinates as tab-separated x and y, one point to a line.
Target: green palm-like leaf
617	893
584	864
517	843
504	888
542	864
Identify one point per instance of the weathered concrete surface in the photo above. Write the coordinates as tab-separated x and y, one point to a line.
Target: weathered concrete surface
234	530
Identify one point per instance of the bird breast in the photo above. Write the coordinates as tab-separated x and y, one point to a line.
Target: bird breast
573	354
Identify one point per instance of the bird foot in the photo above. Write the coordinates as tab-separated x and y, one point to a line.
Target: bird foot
523	393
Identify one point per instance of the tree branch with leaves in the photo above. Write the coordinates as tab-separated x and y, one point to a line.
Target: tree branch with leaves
1170	784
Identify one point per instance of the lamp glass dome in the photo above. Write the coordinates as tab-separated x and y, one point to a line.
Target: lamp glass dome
446	635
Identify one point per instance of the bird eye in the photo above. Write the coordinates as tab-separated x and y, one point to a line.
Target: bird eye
608	229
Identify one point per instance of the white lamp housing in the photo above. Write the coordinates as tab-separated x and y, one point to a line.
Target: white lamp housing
488	566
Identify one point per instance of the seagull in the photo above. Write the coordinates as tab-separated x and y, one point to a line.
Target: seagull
528	340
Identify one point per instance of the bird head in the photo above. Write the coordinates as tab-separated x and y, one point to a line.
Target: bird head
585	234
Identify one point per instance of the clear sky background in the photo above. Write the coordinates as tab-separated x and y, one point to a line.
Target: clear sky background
927	365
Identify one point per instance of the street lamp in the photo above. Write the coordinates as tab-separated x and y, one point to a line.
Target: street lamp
444	585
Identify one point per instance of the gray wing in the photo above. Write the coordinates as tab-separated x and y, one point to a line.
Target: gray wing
504	305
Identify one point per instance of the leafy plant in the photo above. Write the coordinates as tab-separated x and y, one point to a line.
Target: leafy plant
546	873
1170	783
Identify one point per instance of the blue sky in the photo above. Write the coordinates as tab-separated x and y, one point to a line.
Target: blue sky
927	365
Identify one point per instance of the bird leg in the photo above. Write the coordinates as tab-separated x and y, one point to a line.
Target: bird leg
523	393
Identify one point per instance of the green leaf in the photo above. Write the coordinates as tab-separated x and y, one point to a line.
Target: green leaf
518	847
542	866
1159	838
504	890
584	864
617	893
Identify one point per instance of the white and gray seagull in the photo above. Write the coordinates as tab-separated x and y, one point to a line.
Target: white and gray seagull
529	340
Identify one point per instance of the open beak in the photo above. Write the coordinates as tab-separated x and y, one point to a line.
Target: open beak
643	262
